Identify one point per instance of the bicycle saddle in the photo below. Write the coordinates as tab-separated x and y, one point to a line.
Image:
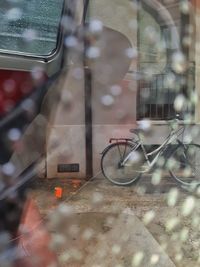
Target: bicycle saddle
136	131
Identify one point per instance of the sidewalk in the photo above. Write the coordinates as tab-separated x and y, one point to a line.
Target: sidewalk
107	226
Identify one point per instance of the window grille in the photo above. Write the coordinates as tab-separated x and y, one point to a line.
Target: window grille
155	100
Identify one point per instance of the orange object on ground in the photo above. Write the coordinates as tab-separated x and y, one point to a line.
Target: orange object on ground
58	192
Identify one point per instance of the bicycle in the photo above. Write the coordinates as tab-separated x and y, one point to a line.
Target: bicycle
124	160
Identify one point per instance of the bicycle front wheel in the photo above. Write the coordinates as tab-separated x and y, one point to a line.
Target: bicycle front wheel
185	164
114	168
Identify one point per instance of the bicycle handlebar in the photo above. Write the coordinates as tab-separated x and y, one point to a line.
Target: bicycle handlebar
174	125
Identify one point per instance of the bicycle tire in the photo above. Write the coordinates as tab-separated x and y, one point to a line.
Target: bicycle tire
185	164
111	163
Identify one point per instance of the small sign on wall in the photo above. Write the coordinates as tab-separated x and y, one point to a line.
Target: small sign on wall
73	167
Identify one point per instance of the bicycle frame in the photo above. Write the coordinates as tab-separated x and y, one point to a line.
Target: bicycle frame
157	152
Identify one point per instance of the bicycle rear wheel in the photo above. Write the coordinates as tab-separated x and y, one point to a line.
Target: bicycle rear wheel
112	167
185	164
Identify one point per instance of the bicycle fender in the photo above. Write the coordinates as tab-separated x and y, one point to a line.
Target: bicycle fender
108	147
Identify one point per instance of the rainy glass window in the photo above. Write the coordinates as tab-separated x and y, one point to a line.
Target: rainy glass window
30	26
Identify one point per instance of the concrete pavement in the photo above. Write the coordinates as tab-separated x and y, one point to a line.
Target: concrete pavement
113	216
107	225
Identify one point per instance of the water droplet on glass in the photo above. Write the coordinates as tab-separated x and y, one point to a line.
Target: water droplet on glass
121	114
29	35
187	138
88	234
154	259
137	259
131	53
172	197
133	24
93	52
179	102
178	257
8	169
13	14
194	98
188	206
136	76
134	159
74	230
110	221
66	97
65	210
195	221
198	190
141	190
37	74
172	223
64	257
144	125
149	73
151	34
9	86
28	105
145	92
148	217
179	63
107	100
97	197
187	41
170	80
57	241
95	26
78	73
116	90
14	134
156	177
76	254
71	41
116	249
161	162
175	237
185	6
68	23
184	234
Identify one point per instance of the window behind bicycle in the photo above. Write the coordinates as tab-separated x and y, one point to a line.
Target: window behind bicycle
166	66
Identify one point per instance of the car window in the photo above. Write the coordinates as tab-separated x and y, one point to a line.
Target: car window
30	26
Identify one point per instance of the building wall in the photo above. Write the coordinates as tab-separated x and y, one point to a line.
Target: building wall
66	129
113	101
114	91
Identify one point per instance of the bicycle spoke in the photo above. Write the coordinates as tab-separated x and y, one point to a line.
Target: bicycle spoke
112	167
124	153
186	165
